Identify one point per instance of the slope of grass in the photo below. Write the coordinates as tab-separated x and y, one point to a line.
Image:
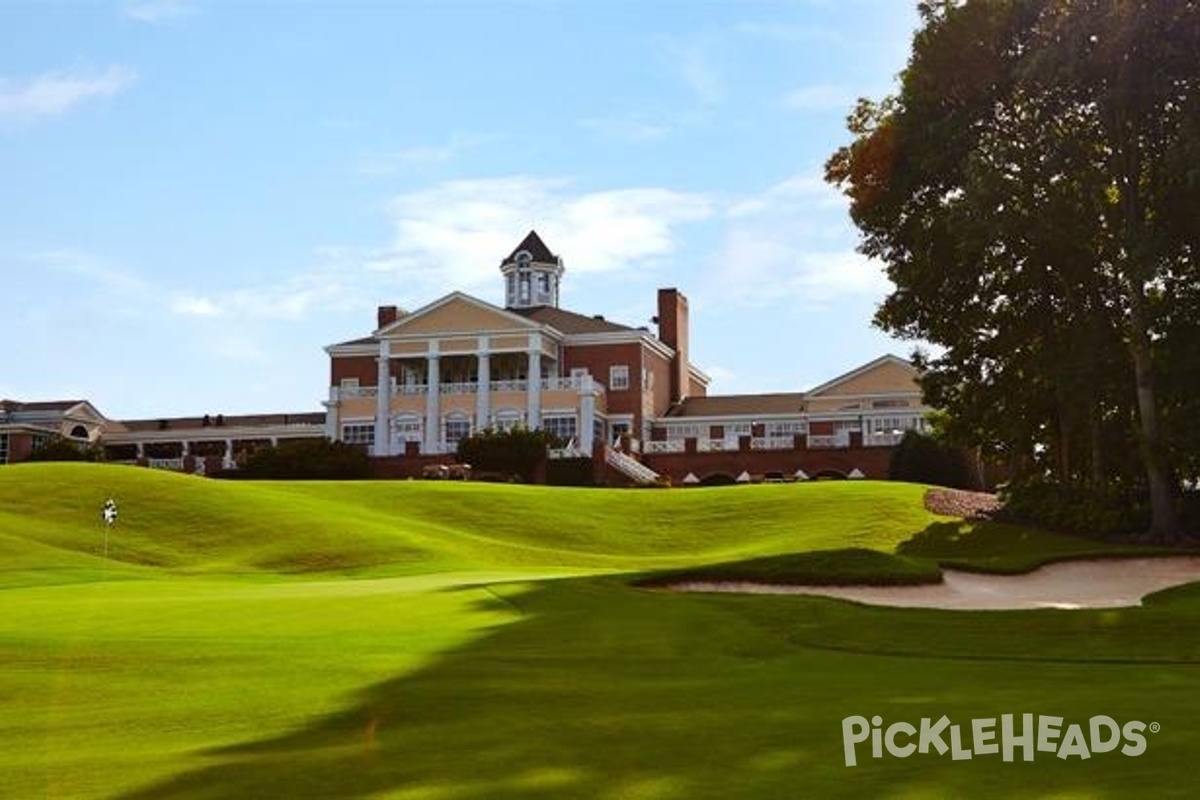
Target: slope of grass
407	640
193	524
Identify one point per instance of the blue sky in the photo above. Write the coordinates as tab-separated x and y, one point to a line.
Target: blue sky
197	197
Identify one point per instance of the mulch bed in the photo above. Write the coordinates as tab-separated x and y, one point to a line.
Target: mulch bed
957	503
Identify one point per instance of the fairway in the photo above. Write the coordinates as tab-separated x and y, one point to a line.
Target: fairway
434	640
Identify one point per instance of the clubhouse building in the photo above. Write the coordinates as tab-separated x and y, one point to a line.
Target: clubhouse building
629	398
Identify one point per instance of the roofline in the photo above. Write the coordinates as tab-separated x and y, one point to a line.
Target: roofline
854	373
456	295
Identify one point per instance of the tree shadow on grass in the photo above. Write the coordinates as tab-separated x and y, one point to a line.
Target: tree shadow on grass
602	691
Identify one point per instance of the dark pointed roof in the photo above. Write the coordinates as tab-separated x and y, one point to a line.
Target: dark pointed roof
536	248
568	321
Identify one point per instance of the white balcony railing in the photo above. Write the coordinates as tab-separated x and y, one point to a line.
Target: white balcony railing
165	463
664	446
459	388
836	441
356	391
510	386
883	439
772	443
412	388
715	445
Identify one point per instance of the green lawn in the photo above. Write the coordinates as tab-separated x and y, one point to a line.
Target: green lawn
426	640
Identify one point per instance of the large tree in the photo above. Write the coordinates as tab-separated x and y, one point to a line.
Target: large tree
1032	189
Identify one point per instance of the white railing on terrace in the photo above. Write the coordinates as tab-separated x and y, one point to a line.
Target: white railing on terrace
356	391
629	467
773	443
715	445
836	441
665	446
458	388
882	439
553	384
165	463
510	386
412	388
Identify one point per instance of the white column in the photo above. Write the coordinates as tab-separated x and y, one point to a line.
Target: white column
227	461
141	449
433	417
383	400
587	414
533	417
331	414
483	397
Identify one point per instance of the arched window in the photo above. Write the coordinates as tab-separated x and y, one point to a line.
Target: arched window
79	432
456	426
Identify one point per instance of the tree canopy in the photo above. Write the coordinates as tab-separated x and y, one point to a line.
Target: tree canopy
1033	189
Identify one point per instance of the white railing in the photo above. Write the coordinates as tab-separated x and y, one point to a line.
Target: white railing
882	439
772	443
553	384
458	388
165	463
715	445
412	388
837	441
356	391
509	386
630	468
665	446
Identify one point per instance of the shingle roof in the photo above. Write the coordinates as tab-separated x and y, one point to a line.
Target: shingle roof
533	244
739	405
568	321
227	421
364	340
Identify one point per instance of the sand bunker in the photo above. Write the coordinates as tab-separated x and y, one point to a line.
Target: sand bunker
1104	583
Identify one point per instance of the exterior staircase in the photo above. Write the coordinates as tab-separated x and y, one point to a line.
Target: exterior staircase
631	468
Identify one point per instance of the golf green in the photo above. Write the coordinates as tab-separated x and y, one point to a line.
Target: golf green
427	640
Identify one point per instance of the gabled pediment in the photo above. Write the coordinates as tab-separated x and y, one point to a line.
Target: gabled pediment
886	375
456	313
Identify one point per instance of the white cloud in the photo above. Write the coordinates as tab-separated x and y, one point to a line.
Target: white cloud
333	289
194	306
626	129
55	93
790	242
90	267
820	97
454	234
157	11
692	62
418	157
787	34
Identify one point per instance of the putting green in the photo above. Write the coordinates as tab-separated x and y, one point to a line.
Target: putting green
414	640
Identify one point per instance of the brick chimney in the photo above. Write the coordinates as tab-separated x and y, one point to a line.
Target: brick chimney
388	315
673	332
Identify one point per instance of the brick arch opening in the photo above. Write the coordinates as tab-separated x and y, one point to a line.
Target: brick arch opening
829	475
718	479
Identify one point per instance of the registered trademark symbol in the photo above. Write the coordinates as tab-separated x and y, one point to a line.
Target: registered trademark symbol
1155	727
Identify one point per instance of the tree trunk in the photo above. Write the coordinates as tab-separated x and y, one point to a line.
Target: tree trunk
1164	522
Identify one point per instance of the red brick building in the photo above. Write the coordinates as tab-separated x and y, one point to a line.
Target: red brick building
425	379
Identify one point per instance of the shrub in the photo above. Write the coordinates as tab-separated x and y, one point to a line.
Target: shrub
922	459
518	451
308	459
60	448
